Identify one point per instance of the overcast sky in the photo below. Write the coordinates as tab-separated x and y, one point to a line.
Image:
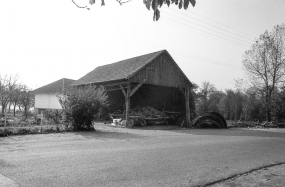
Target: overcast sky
43	41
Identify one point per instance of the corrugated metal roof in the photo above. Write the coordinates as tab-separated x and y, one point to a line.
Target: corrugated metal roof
118	70
54	86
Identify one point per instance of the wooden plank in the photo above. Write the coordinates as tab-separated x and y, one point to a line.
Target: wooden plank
188	120
123	90
128	96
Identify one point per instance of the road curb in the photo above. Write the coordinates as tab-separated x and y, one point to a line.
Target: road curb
6	182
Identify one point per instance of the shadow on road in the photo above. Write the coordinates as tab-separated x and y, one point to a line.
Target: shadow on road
108	135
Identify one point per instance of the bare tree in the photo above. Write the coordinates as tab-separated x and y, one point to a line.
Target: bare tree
26	100
15	99
265	63
7	86
203	96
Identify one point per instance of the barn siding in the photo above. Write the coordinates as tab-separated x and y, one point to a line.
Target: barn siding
162	71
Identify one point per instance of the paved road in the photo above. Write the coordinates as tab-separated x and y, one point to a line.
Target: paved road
136	157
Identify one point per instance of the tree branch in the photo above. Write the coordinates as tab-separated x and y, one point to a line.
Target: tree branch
78	5
121	3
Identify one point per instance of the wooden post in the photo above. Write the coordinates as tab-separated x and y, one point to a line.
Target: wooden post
188	120
128	99
41	117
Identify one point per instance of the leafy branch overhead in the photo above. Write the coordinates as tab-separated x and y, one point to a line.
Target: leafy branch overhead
154	4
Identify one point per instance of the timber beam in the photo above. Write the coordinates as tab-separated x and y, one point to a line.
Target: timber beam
128	93
137	87
187	106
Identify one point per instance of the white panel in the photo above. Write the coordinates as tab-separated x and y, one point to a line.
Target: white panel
47	101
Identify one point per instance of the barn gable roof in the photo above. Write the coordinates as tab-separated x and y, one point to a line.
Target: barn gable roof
118	70
121	70
54	86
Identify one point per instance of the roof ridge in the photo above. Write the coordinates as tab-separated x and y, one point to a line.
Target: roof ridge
119	70
51	86
131	58
158	53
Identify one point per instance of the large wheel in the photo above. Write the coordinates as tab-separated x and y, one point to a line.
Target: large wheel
209	120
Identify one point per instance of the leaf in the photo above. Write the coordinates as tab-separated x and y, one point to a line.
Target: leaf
156	15
186	4
103	3
157	12
154	5
148	4
180	4
168	2
193	2
160	3
91	2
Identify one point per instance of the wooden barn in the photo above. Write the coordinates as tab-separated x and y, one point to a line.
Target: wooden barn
149	80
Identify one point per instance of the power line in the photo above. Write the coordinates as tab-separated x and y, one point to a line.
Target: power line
215	22
207	60
200	58
208	32
212	25
211	29
202	30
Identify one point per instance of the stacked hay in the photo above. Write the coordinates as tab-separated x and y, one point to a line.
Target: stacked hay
146	112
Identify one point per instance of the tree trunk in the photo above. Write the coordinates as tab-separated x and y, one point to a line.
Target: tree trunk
268	106
9	107
236	114
26	112
14	110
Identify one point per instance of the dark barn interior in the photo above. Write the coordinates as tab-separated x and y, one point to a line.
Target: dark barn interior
161	98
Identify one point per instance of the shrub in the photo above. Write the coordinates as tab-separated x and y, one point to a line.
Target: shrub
53	115
82	105
8	131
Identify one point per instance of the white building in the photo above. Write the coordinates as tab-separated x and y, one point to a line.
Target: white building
45	97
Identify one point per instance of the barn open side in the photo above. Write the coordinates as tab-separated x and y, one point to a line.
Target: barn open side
149	80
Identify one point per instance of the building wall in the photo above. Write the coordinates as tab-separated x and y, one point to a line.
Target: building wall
47	101
162	72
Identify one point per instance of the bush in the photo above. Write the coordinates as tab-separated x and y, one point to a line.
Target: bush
9	131
53	115
82	105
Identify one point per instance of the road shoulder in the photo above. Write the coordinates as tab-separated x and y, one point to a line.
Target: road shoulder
6	182
266	176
